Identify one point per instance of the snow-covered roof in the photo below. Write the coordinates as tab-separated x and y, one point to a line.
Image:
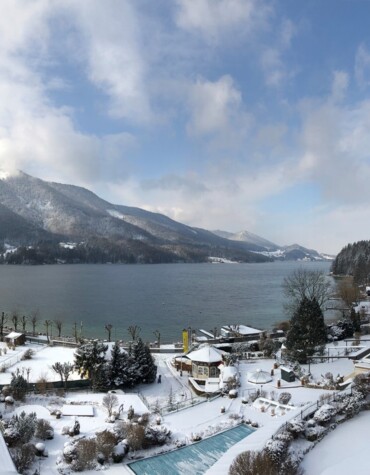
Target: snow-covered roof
206	354
228	372
259	377
7	465
13	335
242	329
84	410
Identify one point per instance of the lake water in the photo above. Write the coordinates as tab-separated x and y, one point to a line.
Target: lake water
164	297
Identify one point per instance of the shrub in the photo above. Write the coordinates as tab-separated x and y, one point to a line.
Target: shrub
324	414
18	386
253	463
155	435
284	398
24	425
110	401
23	457
28	354
44	431
106	441
135	435
86	451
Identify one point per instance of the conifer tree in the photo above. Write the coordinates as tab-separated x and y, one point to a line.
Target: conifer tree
118	366
307	331
90	358
147	370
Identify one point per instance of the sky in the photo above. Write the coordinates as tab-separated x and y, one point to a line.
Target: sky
222	114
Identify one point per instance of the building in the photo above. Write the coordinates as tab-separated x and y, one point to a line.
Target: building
15	338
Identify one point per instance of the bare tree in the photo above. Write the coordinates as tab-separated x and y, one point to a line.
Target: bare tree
34	318
64	370
24	323
109	327
157	334
15	319
312	284
3	320
47	324
110	401
59	324
348	291
134	331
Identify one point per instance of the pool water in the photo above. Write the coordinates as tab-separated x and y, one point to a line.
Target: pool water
193	459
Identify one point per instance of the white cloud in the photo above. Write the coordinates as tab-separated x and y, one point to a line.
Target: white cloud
340	85
213	19
362	66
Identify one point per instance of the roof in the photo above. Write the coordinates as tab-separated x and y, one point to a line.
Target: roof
259	377
7	465
206	354
13	335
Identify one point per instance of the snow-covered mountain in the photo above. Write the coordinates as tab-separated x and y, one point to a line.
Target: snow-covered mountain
32	209
268	248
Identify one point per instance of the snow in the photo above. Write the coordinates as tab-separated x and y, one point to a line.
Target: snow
201	417
7	465
206	354
343	451
78	410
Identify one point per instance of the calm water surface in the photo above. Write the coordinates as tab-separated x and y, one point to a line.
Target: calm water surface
164	297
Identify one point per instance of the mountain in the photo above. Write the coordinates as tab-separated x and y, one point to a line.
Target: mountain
262	246
33	211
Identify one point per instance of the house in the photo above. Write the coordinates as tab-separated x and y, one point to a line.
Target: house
15	338
205	362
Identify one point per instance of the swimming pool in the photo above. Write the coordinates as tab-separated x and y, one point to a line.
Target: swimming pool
195	459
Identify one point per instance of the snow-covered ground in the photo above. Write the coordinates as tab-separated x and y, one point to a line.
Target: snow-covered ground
202	419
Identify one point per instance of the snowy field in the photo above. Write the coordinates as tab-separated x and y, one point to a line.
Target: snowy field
201	418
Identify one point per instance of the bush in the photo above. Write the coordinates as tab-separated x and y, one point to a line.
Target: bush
86	452
44	431
24	425
106	441
23	457
284	398
28	354
253	463
135	435
18	386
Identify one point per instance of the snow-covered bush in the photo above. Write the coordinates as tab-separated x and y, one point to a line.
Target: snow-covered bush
324	413
155	435
86	452
44	431
28	354
20	429
276	449
284	398
130	413
119	452
23	456
313	433
106	441
18	386
296	427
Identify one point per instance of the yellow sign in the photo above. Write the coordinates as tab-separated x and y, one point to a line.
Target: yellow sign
185	340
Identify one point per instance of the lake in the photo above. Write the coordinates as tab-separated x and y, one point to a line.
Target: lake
163	297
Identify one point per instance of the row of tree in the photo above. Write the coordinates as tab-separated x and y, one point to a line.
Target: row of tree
121	369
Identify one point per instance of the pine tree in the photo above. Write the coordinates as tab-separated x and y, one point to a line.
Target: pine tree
307	331
90	358
118	366
147	369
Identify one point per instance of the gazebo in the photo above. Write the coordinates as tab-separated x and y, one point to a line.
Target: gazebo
259	377
205	361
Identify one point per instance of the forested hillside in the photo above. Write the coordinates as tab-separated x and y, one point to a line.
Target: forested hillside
354	259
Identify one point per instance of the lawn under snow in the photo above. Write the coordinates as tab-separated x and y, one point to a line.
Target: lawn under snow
203	419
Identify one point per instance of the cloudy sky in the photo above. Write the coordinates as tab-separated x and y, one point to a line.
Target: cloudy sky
223	114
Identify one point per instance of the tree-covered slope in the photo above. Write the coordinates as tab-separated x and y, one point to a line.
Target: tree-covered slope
354	259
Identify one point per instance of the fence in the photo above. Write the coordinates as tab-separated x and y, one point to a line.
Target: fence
312	408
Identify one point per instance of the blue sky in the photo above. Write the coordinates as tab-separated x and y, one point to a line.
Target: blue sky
223	114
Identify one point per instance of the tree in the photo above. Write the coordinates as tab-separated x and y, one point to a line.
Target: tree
34	319
134	331
47	324
90	358
304	283
146	368
24	323
348	291
15	319
59	325
64	370
119	364
3	320
307	331
18	386
109	327
110	401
